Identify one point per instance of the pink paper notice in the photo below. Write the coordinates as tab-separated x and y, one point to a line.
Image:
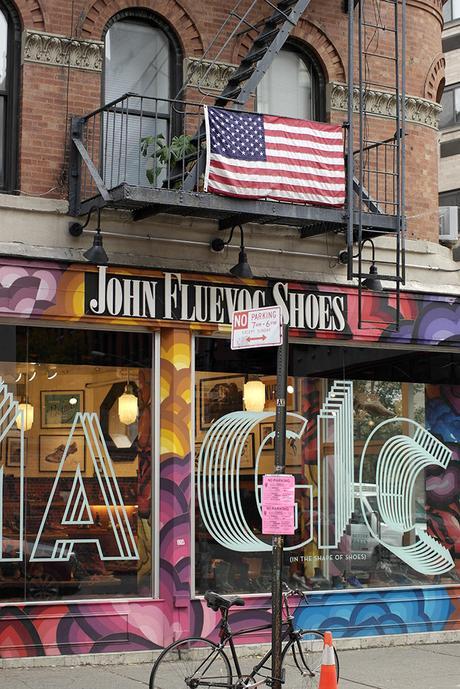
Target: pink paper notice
278	504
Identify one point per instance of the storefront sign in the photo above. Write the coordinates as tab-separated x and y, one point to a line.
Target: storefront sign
257	328
278	504
169	297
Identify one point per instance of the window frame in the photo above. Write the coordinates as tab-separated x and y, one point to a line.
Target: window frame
155	551
448	13
318	80
155	21
450	89
11	96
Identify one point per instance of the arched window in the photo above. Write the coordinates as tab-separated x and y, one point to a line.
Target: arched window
141	57
293	86
9	77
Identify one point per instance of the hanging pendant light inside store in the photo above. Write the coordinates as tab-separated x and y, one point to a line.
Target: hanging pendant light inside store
128	405
25	420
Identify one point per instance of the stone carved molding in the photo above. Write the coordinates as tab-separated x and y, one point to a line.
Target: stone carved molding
206	75
383	104
52	49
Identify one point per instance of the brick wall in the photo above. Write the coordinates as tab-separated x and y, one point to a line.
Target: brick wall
51	94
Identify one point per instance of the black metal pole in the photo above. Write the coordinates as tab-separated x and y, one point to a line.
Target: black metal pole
278	541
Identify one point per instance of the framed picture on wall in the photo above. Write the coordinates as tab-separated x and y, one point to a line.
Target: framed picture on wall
58	407
266	429
294	446
249	453
51	450
13	451
197	454
219	396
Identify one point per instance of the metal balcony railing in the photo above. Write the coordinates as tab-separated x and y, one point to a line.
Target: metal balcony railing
137	140
137	151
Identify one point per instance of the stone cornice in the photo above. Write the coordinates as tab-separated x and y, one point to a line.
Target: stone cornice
383	104
51	49
207	76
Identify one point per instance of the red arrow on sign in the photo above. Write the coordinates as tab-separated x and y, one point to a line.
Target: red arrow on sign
255	339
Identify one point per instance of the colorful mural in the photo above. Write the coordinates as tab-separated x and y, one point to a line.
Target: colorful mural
56	292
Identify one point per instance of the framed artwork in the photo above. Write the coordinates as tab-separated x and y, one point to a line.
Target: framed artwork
219	396
58	407
13	451
248	454
294	446
197	454
51	450
266	429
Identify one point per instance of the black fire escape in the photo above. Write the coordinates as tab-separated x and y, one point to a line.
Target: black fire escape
109	151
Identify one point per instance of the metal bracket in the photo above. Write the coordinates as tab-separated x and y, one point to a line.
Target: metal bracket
104	192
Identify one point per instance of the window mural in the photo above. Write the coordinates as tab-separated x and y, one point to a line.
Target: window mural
73	523
368	450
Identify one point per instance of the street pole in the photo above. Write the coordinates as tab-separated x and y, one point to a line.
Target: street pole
278	541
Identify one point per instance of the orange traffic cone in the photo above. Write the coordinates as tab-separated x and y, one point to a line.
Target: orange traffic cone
328	672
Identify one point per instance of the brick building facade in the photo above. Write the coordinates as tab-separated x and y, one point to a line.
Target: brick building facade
108	543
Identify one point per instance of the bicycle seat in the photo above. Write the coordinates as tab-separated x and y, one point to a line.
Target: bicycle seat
216	602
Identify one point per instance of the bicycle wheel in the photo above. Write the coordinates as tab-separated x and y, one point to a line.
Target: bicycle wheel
194	663
302	660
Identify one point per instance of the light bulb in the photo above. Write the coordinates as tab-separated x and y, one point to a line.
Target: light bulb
25	420
254	395
128	407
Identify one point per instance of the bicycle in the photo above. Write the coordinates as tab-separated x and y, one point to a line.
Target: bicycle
199	662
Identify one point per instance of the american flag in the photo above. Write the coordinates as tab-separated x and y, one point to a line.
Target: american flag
282	158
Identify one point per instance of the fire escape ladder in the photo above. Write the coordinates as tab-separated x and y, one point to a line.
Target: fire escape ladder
375	166
274	30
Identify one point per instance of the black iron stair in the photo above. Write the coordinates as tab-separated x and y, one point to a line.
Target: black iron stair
273	34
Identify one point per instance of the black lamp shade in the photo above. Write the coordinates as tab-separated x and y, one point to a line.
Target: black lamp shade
96	254
242	268
373	283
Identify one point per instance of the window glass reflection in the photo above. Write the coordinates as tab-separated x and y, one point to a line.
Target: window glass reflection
380	446
86	529
286	89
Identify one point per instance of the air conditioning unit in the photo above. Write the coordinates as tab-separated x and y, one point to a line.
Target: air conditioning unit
448	223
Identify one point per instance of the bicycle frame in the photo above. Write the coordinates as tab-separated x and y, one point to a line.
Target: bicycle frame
227	638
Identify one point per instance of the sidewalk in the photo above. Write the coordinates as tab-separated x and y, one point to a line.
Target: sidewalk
434	666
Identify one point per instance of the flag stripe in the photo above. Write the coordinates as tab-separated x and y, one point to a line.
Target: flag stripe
275	167
262	156
316	161
319	129
279	185
261	176
303	143
304	147
281	195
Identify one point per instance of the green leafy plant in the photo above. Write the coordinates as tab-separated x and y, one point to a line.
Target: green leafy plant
164	154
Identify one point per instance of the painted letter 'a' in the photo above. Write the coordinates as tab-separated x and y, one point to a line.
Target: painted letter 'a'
118	542
11	548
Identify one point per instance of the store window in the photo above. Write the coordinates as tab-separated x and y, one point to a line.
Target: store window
293	86
141	57
10	42
450	102
451	10
75	480
373	444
